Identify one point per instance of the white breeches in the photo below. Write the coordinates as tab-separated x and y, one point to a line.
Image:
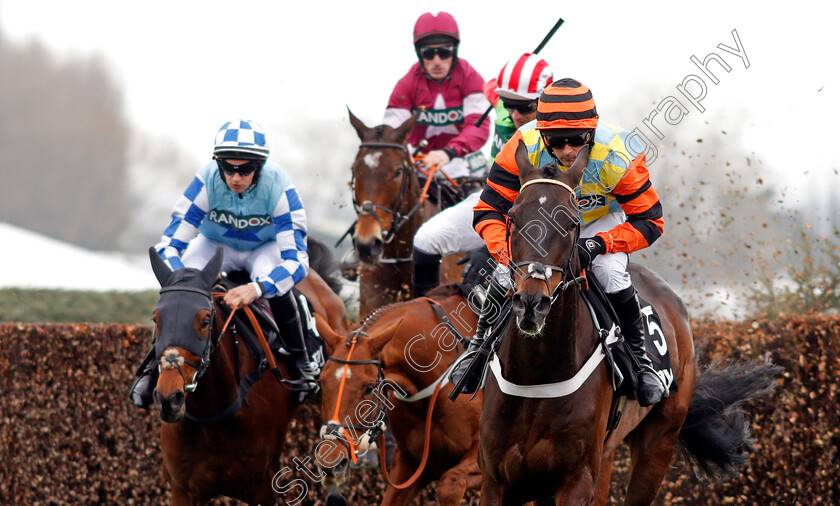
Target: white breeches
257	262
450	231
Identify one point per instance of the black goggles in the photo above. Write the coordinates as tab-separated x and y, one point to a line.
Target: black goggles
445	52
556	141
244	169
520	106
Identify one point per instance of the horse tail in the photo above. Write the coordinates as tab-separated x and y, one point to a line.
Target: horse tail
715	437
322	262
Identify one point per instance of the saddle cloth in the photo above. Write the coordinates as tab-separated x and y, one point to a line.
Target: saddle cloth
655	343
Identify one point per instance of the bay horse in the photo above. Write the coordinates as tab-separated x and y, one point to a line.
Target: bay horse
396	361
225	422
559	446
389	208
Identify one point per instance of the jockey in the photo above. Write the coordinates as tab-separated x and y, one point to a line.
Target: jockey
620	211
446	92
249	206
519	85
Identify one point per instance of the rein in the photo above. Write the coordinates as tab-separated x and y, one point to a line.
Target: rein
334	425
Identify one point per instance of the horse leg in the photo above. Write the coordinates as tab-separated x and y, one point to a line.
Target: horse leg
602	488
180	497
491	493
651	450
453	484
400	472
579	489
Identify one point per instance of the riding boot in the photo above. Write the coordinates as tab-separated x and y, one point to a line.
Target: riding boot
626	303
142	391
496	295
288	321
426	272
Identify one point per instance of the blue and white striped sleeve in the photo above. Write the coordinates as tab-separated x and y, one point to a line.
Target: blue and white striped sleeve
290	230
187	215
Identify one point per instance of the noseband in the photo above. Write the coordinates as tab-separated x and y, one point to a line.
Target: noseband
538	270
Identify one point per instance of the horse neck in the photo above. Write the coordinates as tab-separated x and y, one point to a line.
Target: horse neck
558	353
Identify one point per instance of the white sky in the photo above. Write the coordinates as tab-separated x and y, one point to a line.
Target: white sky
188	66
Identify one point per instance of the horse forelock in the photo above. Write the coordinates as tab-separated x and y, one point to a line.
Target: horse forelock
550	170
184	277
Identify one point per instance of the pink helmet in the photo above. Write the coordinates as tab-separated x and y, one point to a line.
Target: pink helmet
441	27
524	78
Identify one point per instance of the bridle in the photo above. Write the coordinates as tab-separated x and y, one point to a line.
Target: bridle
200	368
334	427
538	270
398	219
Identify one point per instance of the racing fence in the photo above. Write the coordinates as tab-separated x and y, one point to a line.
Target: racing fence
69	435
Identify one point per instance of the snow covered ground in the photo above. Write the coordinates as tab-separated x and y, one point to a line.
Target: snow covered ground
30	260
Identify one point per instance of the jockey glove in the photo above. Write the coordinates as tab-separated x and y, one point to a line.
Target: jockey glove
589	248
479	266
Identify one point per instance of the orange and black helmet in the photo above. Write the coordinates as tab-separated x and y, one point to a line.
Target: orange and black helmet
566	103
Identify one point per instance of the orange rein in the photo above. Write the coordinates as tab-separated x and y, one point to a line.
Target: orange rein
429	176
341	393
426	442
257	329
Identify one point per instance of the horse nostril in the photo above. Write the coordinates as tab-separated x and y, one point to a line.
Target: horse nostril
176	399
376	247
543	306
517	306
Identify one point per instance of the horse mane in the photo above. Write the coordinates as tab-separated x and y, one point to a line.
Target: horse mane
383	311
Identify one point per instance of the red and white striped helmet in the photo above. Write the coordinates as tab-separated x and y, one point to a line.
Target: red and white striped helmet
524	77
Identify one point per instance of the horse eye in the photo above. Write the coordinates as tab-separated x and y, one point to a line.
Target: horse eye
206	322
396	175
369	388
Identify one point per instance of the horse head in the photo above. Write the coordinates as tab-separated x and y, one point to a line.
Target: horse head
353	396
184	323
383	185
544	226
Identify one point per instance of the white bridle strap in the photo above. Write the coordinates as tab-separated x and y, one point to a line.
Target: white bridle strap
549	181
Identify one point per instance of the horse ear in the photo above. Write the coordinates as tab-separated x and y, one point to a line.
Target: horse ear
212	269
331	339
581	161
522	162
361	128
401	133
380	338
159	267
